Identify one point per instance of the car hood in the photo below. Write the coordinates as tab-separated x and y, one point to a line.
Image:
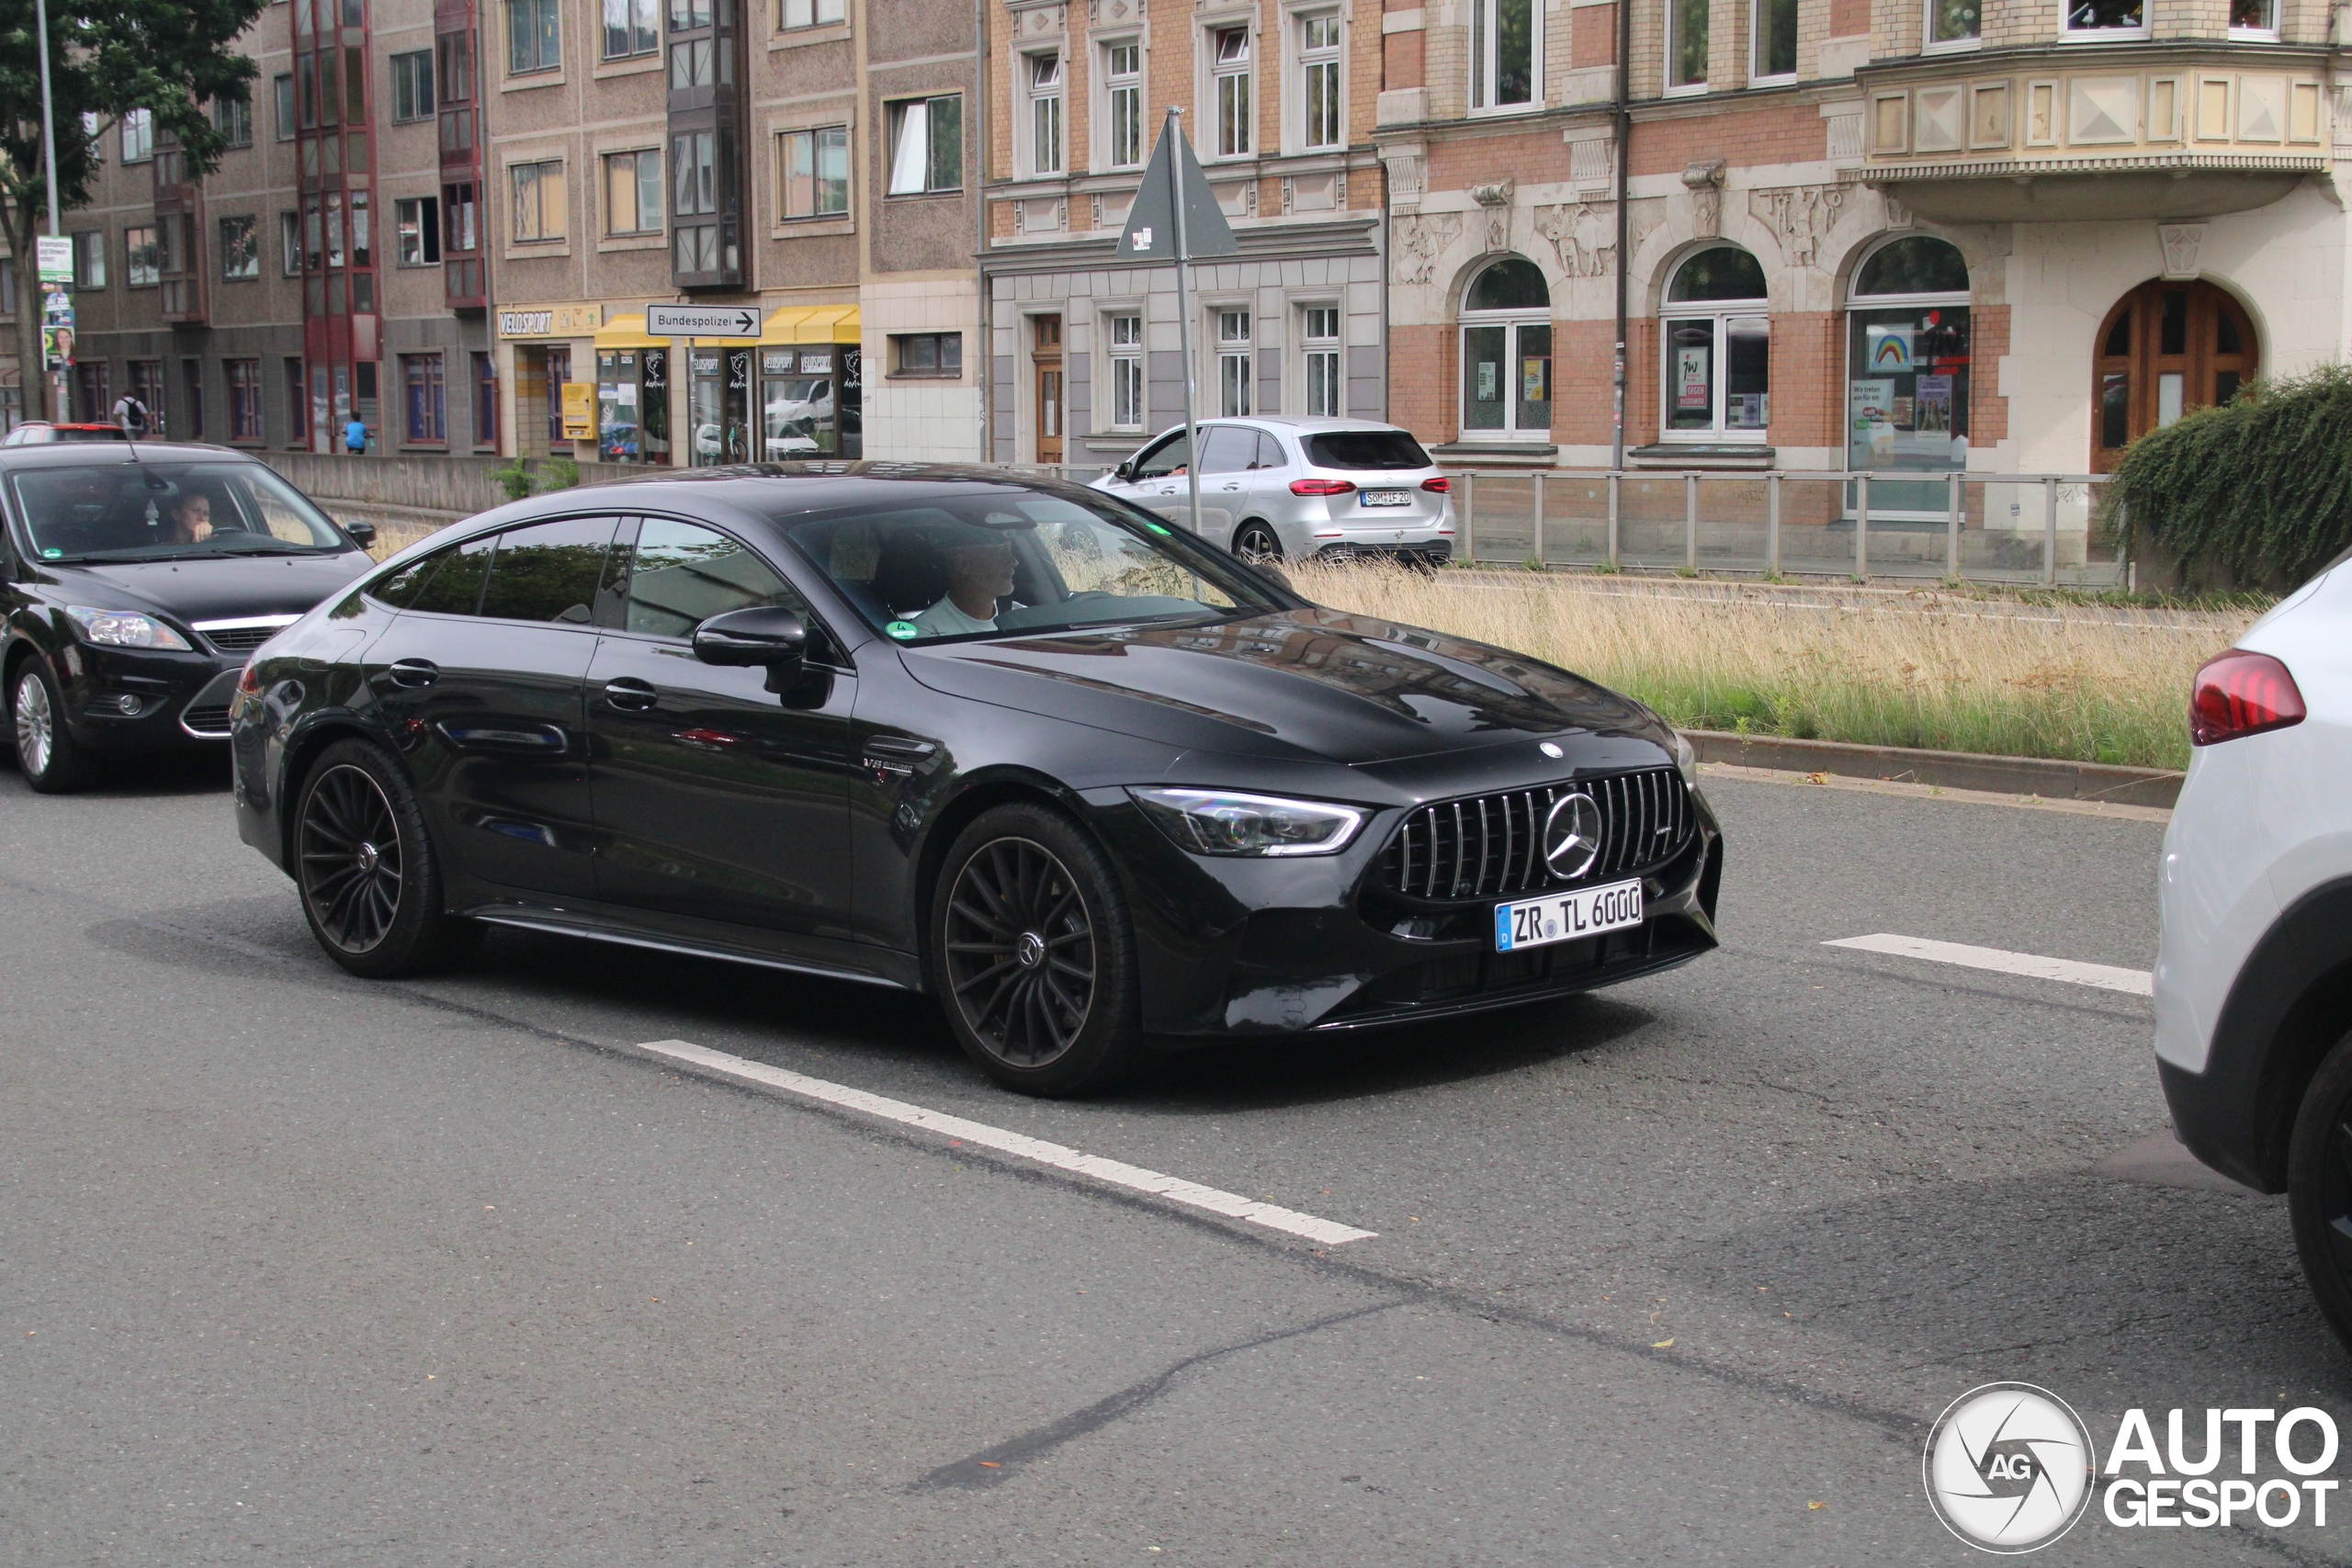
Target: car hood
1302	685
221	588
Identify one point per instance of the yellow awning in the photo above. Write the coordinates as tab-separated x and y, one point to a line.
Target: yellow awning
628	331
812	323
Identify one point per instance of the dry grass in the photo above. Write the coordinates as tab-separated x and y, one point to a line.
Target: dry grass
392	535
2089	684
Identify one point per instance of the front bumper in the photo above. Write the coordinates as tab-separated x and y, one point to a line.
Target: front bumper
123	702
1240	947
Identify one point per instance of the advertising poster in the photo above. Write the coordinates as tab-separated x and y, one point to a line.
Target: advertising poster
56	327
1489	377
1535	380
1692	389
1934	404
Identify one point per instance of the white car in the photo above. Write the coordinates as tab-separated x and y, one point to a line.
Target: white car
2253	974
1275	488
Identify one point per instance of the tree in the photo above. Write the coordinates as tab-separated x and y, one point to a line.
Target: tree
107	58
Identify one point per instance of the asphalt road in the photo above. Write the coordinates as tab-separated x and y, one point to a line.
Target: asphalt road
297	1268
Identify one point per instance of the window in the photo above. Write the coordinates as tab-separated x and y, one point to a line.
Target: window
1123	88
927	354
298	403
534	36
90	135
1506	54
1044	74
2257	17
539	207
1506	352
815	165
1318	59
485	400
682	575
1954	23
412	85
926	145
2095	19
244	399
192	385
812	13
633	192
233	120
1907	371
427	413
1126	372
138	136
1774	45
1322	337
140	268
282	93
7	285
1686	45
448	583
630	29
240	249
547	571
1233	362
1717	381
289	242
90	260
416	229
695	157
1229	65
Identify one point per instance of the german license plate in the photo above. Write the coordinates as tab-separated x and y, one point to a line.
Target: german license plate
1564	917
1387	497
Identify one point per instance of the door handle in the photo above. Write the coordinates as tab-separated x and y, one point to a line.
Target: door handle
631	695
414	672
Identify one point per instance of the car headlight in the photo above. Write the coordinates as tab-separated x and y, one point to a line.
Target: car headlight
1225	822
122	628
1686	759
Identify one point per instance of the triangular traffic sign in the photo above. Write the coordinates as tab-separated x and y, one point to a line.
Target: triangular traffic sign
1150	231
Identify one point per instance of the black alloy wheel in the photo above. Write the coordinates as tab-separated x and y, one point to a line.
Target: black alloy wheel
1257	543
2319	1188
371	888
1035	962
46	751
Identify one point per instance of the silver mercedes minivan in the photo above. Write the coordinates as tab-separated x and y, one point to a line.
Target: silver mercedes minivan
1276	488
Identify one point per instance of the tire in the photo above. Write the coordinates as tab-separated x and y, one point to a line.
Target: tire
52	762
369	878
1257	543
2319	1186
1034	956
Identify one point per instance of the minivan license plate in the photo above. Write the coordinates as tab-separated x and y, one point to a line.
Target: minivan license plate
1564	917
1387	497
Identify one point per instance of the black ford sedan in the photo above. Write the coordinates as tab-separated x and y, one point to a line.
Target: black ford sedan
1014	743
134	581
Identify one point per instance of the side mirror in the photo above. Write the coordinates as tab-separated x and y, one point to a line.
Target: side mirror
362	533
761	635
1125	473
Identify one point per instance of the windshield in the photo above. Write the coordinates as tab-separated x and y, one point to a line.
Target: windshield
151	511
996	560
1366	449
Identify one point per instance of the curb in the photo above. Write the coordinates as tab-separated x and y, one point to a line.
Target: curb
2040	776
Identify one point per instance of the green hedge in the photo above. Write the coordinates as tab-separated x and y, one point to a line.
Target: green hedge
2260	487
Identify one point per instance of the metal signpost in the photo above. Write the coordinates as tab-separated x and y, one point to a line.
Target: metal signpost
735	323
1175	217
61	304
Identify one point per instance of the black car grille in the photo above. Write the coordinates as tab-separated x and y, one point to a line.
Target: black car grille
1493	844
241	639
209	719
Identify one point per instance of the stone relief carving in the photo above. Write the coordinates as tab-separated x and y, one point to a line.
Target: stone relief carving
1496	197
1421	238
2181	242
1584	235
1898	215
1800	215
1705	184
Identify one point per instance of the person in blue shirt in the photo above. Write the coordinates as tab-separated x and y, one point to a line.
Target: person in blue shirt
355	436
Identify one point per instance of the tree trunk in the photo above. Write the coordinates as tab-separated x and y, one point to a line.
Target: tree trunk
32	378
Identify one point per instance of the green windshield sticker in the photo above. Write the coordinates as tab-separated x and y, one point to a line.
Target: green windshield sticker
903	630
1154	527
51	554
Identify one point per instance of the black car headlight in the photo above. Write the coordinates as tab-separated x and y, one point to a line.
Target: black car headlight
1226	822
125	628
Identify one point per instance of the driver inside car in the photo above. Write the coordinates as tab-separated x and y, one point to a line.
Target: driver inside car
190	521
979	574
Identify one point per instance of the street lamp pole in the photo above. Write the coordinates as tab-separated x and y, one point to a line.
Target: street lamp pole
48	153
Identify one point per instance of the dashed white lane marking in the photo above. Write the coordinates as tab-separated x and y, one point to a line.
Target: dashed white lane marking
2106	977
1174	1189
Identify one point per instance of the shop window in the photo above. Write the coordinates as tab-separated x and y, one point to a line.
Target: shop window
1506	54
719	398
798	416
633	405
1506	354
1717	337
1907	369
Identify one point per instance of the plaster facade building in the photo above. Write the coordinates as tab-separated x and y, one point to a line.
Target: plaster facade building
804	159
1887	235
1277	98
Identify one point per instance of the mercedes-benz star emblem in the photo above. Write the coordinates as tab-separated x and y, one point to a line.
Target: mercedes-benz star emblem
1550	748
1572	836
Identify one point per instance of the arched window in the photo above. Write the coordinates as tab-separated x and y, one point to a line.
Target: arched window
1907	372
1506	352
1718	373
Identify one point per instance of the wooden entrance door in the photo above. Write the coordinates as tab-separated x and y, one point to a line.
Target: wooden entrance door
1046	359
2164	349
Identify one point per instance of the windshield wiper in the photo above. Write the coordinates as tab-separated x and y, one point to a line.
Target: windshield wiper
275	548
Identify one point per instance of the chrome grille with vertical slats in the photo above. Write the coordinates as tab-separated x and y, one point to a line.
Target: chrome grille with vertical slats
1493	844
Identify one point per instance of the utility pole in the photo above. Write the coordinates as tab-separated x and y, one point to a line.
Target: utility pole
1184	326
49	152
